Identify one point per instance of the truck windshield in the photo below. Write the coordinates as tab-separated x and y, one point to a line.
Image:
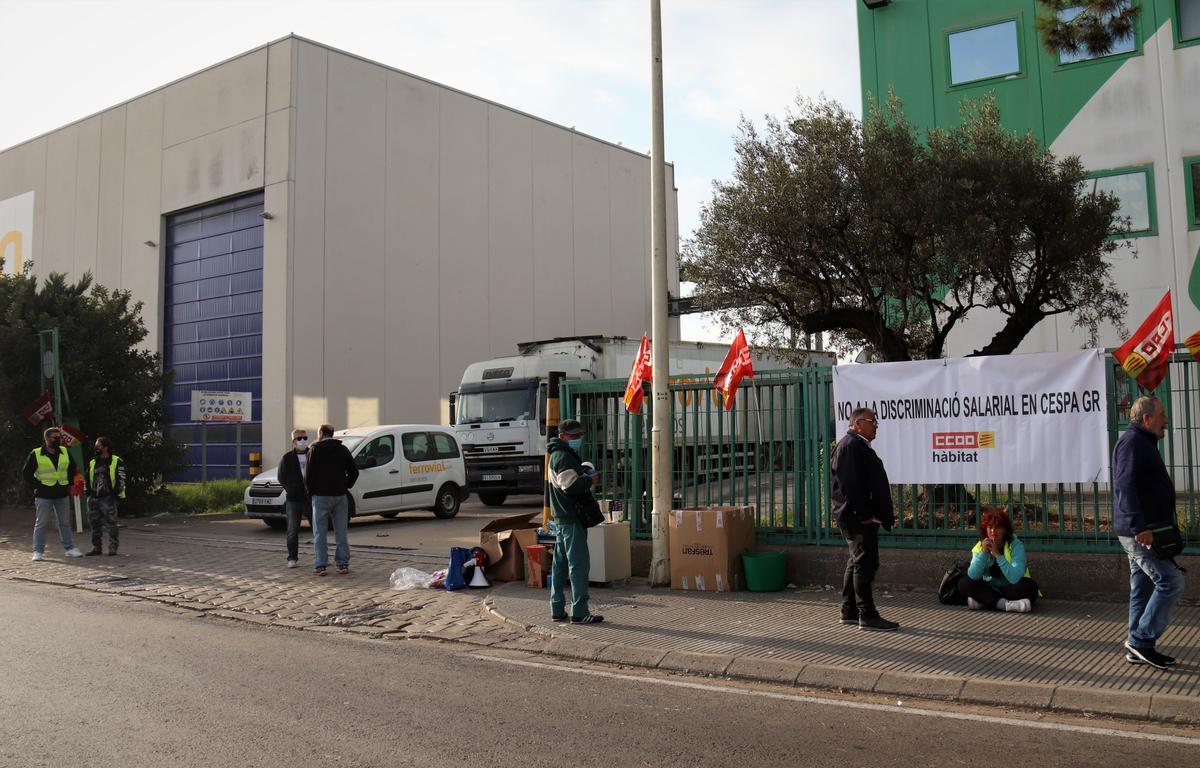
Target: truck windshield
497	405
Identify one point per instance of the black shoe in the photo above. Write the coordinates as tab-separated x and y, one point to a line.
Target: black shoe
564	617
877	624
1148	656
591	618
94	551
851	620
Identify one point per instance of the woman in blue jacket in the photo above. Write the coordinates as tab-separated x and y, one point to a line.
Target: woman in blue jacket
998	578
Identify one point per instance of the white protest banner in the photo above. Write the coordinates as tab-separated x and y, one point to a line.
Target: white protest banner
1036	418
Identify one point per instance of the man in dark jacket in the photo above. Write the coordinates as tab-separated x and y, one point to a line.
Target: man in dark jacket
299	505
569	484
862	502
330	473
1144	499
48	471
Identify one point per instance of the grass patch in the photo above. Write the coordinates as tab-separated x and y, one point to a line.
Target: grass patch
217	497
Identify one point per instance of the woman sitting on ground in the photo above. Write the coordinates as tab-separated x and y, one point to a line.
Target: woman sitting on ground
997	578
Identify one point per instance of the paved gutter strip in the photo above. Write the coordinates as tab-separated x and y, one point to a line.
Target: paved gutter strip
696	663
1007	693
1127	703
766	670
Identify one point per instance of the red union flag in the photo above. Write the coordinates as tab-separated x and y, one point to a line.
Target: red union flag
1193	344
1146	354
39	410
641	374
737	364
71	436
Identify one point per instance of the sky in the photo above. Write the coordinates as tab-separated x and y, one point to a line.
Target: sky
579	63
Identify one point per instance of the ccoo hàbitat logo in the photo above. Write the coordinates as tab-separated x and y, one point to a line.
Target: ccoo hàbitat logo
956	447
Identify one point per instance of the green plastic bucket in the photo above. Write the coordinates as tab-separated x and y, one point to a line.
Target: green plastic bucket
765	571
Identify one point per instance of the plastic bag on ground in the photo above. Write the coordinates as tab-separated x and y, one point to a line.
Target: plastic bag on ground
409	578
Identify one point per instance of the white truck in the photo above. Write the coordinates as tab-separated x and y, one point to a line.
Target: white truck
499	411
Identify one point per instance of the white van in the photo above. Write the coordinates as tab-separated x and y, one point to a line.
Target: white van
400	467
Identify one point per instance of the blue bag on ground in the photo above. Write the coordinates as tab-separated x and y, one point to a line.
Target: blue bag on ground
454	573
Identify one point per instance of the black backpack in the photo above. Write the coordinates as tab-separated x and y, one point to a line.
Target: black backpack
948	589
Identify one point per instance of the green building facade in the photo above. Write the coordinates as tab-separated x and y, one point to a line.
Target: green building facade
1133	117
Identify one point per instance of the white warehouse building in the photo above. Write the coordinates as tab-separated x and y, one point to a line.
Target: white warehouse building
335	236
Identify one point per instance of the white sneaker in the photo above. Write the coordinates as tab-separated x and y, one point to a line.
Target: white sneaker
974	604
292	563
74	552
38	557
1019	606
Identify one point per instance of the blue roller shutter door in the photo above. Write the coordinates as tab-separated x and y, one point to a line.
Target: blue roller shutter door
213	324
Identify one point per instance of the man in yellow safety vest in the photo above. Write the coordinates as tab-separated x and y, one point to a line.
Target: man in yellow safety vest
105	484
49	471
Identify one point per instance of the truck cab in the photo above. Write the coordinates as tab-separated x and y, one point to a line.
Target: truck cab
500	417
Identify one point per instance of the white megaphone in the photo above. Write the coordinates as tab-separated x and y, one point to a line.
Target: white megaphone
478	581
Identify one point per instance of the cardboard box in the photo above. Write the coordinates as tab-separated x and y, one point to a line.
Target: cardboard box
504	539
608	552
537	565
706	547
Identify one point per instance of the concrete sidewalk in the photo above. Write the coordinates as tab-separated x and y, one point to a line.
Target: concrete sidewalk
1064	655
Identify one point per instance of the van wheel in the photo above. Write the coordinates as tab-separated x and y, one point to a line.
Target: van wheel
388	515
276	523
447	502
493	499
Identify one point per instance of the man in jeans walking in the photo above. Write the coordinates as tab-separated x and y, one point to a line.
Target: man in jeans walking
330	473
1144	499
49	471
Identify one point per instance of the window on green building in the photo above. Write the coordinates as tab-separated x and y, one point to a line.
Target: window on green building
1122	45
1133	189
1189	19
1191	177
984	52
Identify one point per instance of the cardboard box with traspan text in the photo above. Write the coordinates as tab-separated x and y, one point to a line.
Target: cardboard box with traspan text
707	545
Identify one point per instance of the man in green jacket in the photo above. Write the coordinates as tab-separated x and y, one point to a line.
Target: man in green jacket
568	483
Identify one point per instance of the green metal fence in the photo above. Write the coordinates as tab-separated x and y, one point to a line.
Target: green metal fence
770	451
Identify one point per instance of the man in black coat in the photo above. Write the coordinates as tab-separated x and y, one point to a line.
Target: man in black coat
299	505
330	473
862	502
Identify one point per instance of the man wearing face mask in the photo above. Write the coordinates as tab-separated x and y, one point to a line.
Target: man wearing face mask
49	471
569	483
291	477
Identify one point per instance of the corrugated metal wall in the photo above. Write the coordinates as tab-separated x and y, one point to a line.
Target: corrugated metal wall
212	327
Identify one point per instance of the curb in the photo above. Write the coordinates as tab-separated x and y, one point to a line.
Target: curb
997	693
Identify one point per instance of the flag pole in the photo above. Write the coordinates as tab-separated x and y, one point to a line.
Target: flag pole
660	435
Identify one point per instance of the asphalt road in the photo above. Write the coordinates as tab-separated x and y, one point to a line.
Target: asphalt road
92	679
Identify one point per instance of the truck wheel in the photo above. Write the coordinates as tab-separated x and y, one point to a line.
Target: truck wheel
276	523
447	502
493	499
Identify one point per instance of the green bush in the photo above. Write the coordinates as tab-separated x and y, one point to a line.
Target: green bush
215	497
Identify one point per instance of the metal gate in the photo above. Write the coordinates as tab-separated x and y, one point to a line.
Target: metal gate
770	451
